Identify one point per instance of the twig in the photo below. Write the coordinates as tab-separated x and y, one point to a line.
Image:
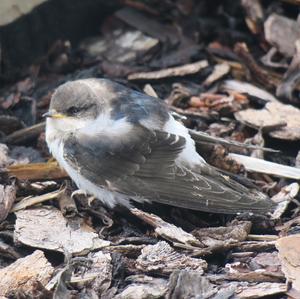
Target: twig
262	237
178	71
201	137
30	201
258	165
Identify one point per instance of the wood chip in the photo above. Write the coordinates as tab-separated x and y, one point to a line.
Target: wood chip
165	229
282	33
127	250
254	15
24	273
53	232
291	78
144	288
179	71
163	259
239	272
272	115
7	199
261	290
283	198
219	71
30	201
268	261
262	166
190	284
220	238
99	275
149	90
289	254
256	245
247	88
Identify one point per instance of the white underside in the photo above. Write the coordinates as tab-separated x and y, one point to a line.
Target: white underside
109	198
54	138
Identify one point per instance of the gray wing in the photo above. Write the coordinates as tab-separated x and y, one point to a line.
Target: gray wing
143	165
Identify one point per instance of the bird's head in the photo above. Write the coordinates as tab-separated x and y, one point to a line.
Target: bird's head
76	104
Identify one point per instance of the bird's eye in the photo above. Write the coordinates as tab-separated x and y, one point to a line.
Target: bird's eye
73	110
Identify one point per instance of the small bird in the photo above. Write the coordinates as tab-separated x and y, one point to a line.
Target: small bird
121	146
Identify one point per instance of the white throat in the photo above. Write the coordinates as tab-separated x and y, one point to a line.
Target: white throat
59	129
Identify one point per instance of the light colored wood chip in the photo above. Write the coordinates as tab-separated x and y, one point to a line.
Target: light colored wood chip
47	228
30	201
262	166
285	117
282	33
143	286
24	273
7	198
283	198
162	258
261	290
166	230
247	88
289	254
219	71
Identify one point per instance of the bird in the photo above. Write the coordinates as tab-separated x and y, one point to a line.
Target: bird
122	146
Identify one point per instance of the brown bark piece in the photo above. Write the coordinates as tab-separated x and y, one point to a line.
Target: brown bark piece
37	171
24	273
217	238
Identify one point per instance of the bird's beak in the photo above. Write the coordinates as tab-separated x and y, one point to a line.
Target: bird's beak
53	114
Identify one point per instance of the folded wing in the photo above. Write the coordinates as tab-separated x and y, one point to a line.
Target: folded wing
143	165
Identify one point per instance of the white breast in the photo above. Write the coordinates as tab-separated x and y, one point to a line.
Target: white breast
109	198
55	141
